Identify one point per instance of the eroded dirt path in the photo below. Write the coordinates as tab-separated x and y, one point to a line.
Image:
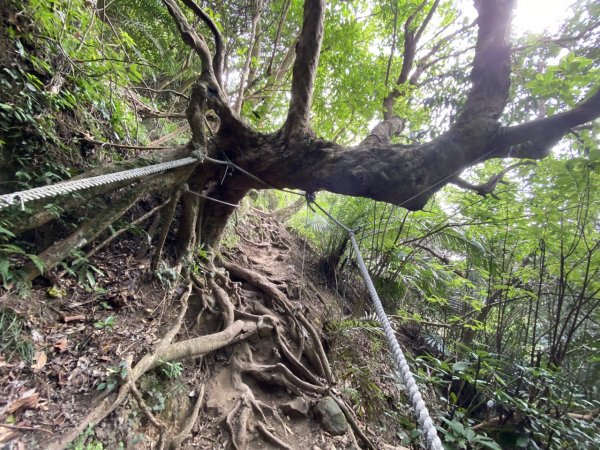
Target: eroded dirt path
83	339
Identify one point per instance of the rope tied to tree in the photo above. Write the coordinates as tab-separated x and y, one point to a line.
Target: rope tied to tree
422	413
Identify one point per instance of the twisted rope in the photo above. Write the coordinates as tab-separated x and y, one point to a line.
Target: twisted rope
421	411
21	197
425	422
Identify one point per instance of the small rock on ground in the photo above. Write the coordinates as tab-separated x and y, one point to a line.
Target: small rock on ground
331	416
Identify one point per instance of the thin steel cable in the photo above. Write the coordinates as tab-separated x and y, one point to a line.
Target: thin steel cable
65	187
249	175
212	199
421	411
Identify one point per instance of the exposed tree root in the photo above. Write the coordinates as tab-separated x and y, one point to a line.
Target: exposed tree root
319	360
271	437
186	428
170	213
254	244
224	302
165	351
160	425
202	345
280	375
241	419
243	317
352	421
287	353
110	403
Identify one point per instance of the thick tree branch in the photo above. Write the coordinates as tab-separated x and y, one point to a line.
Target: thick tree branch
305	69
189	35
535	139
249	53
490	75
409	175
217	61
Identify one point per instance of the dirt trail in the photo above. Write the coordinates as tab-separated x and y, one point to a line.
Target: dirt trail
251	395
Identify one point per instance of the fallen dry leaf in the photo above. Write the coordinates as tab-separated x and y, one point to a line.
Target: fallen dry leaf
61	344
40	361
7	435
29	399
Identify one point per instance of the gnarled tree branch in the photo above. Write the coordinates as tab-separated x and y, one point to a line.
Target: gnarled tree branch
217	61
189	35
409	176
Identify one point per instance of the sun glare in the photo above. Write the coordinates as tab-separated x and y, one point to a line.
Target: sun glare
537	16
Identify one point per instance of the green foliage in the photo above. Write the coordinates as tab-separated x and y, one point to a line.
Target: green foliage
171	370
157	401
354	365
14	339
105	324
457	436
115	376
166	275
86	441
503	290
516	279
9	254
83	269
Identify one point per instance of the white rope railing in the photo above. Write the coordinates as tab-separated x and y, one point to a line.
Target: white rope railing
421	411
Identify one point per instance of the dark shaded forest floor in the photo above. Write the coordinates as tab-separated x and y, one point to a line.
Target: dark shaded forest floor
82	337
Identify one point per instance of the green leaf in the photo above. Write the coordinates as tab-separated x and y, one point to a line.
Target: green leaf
486	442
461	366
7	232
10	248
5	270
90	278
522	441
39	264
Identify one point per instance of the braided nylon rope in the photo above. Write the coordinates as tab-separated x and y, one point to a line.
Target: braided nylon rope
76	185
433	441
